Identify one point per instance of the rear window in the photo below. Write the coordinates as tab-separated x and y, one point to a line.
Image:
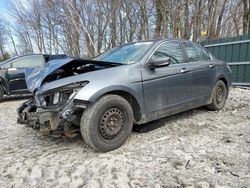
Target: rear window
195	52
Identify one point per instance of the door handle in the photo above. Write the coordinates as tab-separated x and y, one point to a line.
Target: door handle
211	66
183	70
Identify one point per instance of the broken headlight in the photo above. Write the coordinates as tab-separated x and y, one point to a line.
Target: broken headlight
60	96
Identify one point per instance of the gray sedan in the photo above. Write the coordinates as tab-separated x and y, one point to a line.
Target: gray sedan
128	85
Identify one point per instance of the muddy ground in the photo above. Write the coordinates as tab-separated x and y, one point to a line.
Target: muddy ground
192	149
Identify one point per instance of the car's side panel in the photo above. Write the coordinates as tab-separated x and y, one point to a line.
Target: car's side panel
222	73
165	87
12	80
94	95
16	78
202	78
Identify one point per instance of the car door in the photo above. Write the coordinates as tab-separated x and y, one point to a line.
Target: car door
16	72
203	71
166	89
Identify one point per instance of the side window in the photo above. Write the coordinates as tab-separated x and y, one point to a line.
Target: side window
206	55
195	53
171	50
20	62
37	60
29	61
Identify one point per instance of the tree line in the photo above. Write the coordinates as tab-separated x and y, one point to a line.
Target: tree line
89	27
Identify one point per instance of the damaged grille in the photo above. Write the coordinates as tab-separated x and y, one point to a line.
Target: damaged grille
57	99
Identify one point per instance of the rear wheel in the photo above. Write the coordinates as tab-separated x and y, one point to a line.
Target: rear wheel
219	97
107	124
1	93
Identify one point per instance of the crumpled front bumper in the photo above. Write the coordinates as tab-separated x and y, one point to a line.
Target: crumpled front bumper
22	111
48	119
44	119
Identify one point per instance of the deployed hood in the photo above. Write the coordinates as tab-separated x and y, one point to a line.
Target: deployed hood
58	69
35	75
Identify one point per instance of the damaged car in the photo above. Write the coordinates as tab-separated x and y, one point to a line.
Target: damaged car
128	85
12	72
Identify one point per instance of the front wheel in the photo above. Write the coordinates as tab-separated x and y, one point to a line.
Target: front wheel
219	96
107	123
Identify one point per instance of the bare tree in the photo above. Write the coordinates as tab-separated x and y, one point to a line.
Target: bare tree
246	16
90	27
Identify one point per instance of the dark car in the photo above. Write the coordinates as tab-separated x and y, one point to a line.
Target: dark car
132	84
12	72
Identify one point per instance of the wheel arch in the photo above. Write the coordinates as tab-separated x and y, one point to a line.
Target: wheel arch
131	99
126	93
224	79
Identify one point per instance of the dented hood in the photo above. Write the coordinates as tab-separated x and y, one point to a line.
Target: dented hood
35	76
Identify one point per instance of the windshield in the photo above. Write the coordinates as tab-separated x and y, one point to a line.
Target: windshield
126	54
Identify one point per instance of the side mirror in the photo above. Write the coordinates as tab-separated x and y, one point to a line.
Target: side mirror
159	63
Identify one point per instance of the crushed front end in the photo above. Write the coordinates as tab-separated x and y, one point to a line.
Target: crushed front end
55	110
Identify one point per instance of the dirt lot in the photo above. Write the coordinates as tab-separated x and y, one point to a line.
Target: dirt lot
193	149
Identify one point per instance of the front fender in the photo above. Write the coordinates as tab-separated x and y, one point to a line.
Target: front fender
227	77
91	94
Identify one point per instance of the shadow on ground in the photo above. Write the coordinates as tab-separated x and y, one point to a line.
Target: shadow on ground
144	128
147	127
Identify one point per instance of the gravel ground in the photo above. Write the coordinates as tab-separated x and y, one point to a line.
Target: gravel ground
192	149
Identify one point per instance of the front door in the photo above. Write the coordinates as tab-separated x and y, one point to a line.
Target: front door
16	79
166	89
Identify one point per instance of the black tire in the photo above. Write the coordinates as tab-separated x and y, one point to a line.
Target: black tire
106	124
219	96
1	93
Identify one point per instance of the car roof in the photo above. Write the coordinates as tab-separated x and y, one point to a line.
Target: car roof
24	55
161	40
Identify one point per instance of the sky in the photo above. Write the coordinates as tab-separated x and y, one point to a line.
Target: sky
4	8
3	5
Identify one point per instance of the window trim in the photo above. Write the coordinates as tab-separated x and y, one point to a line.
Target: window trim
210	55
7	65
175	40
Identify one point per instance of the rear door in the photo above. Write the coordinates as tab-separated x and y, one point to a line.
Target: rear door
16	72
203	71
166	88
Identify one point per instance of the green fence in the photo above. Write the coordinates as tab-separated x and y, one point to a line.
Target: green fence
236	52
